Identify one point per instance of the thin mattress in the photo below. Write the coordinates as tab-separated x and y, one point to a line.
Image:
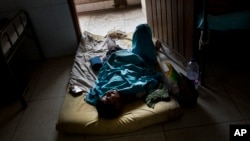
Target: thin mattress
77	116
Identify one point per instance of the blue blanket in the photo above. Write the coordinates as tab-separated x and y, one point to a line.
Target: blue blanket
239	20
129	71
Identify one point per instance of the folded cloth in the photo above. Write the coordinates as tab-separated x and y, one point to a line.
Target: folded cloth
157	95
96	63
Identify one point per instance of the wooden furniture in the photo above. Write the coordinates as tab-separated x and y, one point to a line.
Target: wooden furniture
17	40
173	23
178	24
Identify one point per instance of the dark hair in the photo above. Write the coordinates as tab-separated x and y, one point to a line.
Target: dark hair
106	110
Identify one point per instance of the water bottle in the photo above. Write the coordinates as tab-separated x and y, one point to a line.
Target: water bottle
193	72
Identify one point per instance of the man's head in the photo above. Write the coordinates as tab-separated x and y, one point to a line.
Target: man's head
109	105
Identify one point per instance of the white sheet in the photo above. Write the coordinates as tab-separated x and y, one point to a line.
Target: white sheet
90	46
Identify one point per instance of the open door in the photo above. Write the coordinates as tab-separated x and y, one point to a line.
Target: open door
172	22
75	19
76	9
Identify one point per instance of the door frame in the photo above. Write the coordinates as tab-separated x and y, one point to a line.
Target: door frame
74	16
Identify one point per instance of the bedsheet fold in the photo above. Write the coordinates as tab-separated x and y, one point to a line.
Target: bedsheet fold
90	46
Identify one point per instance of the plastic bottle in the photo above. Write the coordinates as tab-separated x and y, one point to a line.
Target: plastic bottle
193	72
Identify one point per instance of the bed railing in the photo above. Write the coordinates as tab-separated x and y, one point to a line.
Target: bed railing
14	75
11	34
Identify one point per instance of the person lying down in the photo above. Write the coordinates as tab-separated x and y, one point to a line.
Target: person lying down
127	75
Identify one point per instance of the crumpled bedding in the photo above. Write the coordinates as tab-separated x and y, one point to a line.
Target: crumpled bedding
130	71
78	116
125	72
90	46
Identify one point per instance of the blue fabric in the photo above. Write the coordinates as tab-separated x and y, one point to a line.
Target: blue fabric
96	63
142	44
127	71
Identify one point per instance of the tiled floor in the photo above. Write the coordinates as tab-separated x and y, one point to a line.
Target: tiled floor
124	19
225	102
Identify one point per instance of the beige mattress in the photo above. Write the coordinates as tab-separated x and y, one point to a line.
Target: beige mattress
77	116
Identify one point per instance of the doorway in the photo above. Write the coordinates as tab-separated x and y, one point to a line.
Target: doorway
100	21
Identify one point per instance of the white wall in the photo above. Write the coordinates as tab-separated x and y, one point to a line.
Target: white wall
52	21
143	5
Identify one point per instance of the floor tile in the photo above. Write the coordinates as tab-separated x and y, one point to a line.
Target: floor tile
39	120
147	130
150	129
218	132
235	80
238	89
101	22
211	108
10	116
58	61
83	20
133	18
131	24
69	137
52	82
105	23
159	136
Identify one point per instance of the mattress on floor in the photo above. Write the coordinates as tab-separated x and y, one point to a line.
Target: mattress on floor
77	116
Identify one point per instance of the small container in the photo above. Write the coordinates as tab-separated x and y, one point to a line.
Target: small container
193	72
96	63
